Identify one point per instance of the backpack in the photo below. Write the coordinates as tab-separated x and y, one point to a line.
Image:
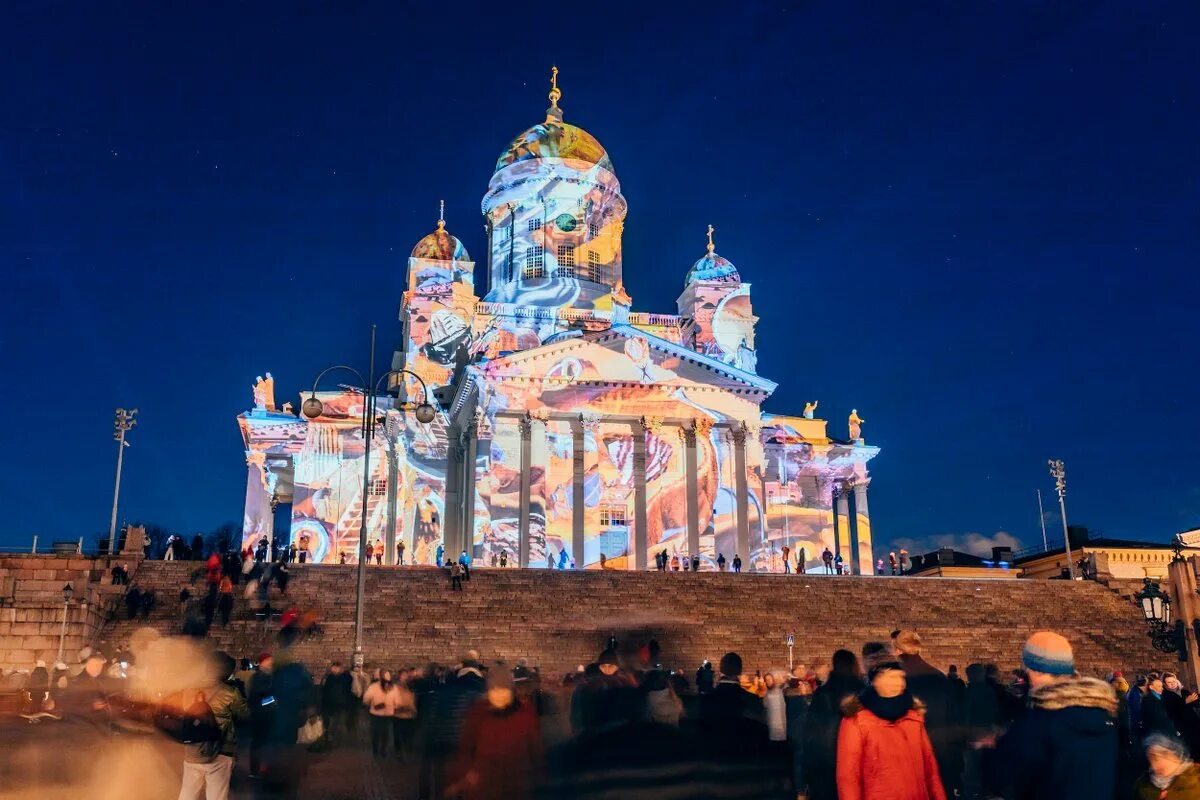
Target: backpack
193	724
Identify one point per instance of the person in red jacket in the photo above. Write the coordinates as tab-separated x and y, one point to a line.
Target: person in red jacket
500	755
883	750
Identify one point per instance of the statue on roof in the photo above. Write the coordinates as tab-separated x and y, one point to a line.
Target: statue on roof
264	393
855	425
810	409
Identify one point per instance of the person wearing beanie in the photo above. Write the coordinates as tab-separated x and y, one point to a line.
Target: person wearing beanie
1064	745
883	749
729	700
1172	774
942	711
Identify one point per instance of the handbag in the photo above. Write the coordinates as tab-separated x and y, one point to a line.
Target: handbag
311	731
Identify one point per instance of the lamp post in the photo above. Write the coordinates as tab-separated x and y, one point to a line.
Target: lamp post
1059	473
68	592
313	408
122	424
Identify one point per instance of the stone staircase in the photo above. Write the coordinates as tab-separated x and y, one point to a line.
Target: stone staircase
561	619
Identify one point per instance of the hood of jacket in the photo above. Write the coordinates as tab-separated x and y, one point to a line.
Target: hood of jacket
1075	693
854	704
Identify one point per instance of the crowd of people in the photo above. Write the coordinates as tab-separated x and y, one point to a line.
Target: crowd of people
879	722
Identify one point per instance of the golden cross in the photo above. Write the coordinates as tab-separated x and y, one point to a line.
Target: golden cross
441	214
710	239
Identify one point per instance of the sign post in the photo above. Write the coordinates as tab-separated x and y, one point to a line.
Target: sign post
791	641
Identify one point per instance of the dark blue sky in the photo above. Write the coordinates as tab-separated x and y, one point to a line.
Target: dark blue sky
976	222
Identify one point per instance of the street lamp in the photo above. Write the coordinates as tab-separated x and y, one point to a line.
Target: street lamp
68	592
122	424
1059	473
312	408
1156	608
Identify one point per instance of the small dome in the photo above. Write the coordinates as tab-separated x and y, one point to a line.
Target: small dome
713	268
555	139
440	246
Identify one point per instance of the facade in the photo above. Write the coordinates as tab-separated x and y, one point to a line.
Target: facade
571	429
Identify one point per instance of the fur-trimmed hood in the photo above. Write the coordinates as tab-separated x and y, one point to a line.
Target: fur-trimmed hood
1075	692
853	704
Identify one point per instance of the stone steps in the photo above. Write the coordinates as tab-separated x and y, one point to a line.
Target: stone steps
561	619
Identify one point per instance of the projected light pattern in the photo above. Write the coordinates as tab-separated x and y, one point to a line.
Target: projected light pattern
596	431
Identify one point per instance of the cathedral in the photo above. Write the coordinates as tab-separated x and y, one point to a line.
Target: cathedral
570	430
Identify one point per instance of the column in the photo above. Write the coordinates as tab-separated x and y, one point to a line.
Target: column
843	513
861	509
692	469
852	517
743	505
578	513
451	497
836	494
526	426
393	478
258	520
470	457
639	495
1181	575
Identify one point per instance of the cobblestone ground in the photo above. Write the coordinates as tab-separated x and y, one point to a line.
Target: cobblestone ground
47	760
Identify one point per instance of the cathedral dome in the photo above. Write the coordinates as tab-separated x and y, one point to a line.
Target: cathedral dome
440	245
555	139
713	268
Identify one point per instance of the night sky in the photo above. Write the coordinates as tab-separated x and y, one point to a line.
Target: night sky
976	223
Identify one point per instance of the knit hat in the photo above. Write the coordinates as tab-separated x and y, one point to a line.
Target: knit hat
883	665
1049	653
1168	743
607	657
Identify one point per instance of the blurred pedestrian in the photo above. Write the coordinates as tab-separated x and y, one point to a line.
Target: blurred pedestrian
208	765
883	749
381	699
1172	774
500	756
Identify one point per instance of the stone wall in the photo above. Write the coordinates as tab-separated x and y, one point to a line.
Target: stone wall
31	606
561	619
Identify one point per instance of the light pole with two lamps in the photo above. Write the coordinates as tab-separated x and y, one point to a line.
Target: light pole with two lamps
312	408
1059	473
122	424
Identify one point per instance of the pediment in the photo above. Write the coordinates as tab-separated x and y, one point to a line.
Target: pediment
622	355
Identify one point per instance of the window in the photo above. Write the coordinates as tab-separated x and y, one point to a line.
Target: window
566	255
613	516
593	230
593	266
535	225
379	487
535	262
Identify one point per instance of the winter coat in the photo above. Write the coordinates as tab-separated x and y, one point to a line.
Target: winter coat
776	714
882	760
1154	717
942	714
448	708
228	707
503	748
381	702
336	694
664	706
1063	747
1186	786
821	735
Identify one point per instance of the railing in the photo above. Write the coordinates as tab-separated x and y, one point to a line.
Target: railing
1051	545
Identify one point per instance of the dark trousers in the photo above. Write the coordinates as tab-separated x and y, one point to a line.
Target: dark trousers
456	583
402	735
381	731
